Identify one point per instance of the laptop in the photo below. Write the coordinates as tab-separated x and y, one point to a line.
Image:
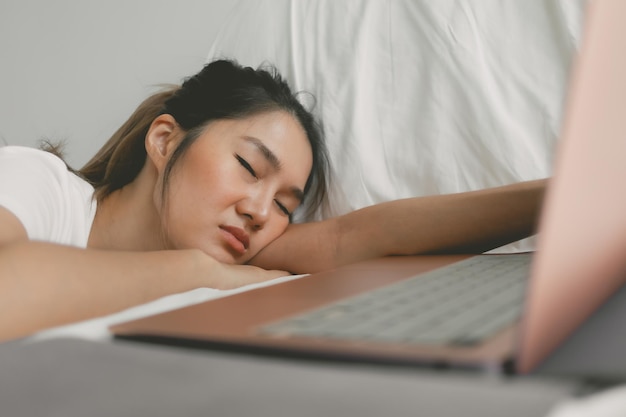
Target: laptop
580	260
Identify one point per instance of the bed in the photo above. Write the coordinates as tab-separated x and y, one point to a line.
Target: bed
416	97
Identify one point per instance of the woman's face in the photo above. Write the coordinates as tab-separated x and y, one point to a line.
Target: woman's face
232	191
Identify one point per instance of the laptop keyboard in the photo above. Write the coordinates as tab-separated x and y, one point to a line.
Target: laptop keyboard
460	304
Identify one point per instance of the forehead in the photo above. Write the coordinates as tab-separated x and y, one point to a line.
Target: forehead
276	132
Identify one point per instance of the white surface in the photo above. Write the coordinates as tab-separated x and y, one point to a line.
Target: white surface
610	403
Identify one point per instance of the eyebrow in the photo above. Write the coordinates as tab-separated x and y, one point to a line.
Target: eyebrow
273	161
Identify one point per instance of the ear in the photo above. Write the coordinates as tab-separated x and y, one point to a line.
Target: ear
161	140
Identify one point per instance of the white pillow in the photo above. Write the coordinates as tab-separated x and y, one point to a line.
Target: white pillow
419	97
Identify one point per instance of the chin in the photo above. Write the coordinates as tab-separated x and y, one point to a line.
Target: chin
226	257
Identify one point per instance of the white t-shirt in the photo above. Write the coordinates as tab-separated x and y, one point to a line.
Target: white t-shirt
53	204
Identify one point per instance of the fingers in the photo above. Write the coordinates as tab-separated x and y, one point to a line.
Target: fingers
274	273
235	276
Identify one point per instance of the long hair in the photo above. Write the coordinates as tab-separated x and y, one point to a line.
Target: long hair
221	90
121	158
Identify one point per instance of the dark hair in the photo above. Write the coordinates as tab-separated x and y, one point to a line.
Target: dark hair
221	90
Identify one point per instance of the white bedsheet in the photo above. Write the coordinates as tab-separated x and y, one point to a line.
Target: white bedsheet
419	97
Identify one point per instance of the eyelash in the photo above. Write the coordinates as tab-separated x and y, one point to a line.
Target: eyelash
246	165
283	208
252	172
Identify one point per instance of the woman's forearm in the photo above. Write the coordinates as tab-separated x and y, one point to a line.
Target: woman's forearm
44	285
470	222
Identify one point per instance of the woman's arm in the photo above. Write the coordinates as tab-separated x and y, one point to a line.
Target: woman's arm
469	222
44	285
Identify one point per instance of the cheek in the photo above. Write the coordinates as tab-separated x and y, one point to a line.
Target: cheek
180	210
268	235
159	203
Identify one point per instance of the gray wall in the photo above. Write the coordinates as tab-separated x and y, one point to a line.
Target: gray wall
74	70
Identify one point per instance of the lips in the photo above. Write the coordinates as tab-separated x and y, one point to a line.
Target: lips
237	237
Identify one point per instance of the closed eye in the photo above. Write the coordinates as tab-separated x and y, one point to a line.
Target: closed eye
283	208
252	172
246	165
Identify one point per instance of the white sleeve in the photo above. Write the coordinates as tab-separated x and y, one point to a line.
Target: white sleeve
39	190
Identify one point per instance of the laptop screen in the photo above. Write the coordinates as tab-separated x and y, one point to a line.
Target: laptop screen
581	257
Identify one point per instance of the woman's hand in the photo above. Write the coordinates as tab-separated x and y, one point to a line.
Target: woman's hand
228	277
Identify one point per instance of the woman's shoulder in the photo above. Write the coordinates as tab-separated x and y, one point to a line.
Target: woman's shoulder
27	154
52	202
31	162
37	168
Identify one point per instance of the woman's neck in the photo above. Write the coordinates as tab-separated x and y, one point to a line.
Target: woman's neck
128	219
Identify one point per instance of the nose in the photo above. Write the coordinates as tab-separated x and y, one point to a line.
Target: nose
256	210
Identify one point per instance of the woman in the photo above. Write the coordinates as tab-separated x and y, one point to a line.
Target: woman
199	185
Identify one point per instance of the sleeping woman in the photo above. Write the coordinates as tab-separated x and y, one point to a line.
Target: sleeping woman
198	189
